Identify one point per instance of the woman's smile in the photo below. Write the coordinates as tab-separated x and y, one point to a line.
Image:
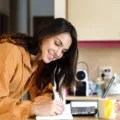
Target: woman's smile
50	56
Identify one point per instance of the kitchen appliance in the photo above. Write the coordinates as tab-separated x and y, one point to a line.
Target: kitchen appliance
82	87
84	107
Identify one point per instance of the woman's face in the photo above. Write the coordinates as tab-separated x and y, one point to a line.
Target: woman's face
53	48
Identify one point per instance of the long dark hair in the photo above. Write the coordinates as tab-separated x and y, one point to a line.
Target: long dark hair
28	42
62	70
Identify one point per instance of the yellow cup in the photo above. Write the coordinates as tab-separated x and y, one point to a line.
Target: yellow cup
106	108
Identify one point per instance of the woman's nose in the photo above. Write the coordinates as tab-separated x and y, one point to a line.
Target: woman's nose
58	54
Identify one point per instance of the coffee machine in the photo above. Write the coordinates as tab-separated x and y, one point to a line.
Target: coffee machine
82	86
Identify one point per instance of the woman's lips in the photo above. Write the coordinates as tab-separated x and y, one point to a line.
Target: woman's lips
50	56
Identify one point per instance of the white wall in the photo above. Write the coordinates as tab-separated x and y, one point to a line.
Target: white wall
60	8
95	19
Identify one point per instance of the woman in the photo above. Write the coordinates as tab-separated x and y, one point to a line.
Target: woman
32	63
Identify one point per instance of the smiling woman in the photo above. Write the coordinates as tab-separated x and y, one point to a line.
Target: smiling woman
54	47
33	63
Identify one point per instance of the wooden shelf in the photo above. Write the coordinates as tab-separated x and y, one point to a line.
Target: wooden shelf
70	98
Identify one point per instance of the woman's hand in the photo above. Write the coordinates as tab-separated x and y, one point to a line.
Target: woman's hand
45	106
48	108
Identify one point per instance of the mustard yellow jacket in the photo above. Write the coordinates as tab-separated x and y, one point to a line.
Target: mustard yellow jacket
15	72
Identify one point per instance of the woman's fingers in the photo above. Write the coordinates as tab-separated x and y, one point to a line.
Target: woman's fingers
48	107
59	107
58	103
58	111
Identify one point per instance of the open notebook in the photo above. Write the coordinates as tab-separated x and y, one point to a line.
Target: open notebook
65	115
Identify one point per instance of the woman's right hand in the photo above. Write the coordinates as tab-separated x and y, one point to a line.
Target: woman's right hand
47	108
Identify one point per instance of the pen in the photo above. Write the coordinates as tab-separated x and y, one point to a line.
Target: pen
56	95
108	87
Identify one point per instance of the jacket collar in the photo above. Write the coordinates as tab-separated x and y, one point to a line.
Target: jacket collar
26	57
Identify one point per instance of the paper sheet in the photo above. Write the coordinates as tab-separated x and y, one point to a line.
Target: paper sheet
65	115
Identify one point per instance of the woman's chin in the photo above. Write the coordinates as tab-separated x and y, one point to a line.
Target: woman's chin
46	61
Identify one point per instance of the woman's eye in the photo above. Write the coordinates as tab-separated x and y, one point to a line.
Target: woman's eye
56	43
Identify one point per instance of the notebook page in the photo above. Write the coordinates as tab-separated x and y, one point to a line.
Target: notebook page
65	115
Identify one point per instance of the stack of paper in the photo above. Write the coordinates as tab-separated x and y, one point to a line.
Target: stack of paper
65	115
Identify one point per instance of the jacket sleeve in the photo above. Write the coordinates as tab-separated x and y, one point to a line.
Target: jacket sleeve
11	108
33	92
46	93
